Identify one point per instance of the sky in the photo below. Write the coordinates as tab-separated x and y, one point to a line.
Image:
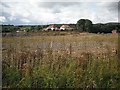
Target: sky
39	12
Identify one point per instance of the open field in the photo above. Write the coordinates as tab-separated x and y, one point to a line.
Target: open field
77	60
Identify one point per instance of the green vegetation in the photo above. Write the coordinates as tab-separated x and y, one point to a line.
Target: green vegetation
85	25
79	60
82	25
105	28
28	28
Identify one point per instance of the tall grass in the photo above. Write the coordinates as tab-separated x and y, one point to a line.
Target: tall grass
28	65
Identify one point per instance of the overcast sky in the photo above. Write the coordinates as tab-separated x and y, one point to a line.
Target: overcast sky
37	12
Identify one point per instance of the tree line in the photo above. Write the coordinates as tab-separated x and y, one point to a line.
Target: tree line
86	25
82	25
12	28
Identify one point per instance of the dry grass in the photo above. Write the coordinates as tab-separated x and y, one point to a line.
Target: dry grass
81	60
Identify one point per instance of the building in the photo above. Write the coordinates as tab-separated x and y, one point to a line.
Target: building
51	27
55	28
66	27
114	31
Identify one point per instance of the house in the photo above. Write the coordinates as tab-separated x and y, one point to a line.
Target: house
51	27
20	31
66	27
55	28
114	31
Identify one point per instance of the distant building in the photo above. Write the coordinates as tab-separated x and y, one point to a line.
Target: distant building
66	27
51	27
55	28
114	31
20	31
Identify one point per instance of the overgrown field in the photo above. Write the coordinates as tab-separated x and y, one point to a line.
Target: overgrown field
82	60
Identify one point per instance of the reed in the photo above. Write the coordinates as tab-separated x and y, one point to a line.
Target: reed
69	61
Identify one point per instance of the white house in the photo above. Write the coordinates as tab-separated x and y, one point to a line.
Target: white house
51	27
65	27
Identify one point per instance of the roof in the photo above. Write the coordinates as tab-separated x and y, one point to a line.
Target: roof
65	26
49	27
53	26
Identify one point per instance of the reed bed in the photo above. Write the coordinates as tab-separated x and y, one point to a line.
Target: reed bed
67	61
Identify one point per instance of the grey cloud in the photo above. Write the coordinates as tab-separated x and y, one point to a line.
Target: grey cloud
15	21
73	10
4	4
56	11
119	11
113	6
57	7
119	7
5	14
56	4
18	20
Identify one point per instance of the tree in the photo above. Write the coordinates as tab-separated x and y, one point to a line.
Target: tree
88	25
98	28
84	25
8	28
81	24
